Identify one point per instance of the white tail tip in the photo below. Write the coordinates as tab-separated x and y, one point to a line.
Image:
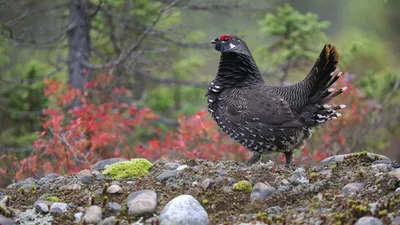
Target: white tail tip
342	106
344	88
326	106
331	89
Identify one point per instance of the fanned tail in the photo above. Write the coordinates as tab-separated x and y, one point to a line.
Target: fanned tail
321	77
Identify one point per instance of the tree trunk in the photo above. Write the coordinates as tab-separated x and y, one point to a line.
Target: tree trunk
79	44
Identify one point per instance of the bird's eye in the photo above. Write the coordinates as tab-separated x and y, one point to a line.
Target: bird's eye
226	39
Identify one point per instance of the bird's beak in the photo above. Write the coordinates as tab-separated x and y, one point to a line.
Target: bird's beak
214	41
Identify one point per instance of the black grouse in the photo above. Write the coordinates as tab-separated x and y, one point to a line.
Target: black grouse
264	117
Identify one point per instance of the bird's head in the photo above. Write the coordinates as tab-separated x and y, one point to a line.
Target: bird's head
230	43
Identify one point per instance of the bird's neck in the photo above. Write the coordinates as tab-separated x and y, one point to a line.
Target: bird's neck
238	70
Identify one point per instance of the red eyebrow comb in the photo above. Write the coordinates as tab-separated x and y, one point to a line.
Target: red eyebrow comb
222	37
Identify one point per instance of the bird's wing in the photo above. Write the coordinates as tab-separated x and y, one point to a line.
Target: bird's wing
255	105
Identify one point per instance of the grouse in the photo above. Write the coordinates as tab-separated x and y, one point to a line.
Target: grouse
265	117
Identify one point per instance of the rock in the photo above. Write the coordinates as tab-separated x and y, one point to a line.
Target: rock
262	191
80	209
59	207
183	210
231	180
274	209
78	217
71	187
339	158
395	173
93	215
100	177
172	166
85	179
29	217
396	165
164	176
222	172
41	208
142	202
299	177
207	183
326	173
6	221
113	206
108	221
351	188
101	164
180	168
114	189
368	220
396	220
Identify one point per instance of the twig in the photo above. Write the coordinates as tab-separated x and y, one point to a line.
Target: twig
122	57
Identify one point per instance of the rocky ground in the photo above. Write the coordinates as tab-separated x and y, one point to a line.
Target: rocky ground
357	189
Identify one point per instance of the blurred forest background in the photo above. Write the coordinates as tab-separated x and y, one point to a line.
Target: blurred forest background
83	80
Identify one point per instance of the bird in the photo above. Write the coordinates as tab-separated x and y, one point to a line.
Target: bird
270	118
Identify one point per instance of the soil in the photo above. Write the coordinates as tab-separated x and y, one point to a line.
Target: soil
319	201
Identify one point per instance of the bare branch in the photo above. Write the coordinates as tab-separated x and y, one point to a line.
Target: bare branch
123	56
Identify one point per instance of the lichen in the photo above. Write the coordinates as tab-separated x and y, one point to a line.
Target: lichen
134	168
52	198
242	185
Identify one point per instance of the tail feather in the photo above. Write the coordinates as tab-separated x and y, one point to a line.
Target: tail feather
321	77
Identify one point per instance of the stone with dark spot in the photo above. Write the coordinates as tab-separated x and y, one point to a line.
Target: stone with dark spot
166	175
352	188
101	164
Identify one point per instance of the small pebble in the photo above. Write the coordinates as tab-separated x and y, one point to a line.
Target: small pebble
41	208
59	207
114	189
171	166
180	168
352	188
207	183
113	206
142	202
93	215
164	176
183	210
108	221
368	220
261	191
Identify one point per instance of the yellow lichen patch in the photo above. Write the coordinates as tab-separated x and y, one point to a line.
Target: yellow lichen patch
52	199
127	169
242	185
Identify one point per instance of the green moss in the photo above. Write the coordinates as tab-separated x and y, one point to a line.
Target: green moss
205	201
242	185
127	169
52	199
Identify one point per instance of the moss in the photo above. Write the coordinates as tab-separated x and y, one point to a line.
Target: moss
52	198
242	185
127	169
205	201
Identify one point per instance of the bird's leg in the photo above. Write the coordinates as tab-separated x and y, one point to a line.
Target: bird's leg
289	159
255	158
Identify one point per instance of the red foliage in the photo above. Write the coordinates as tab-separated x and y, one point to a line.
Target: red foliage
196	137
73	139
